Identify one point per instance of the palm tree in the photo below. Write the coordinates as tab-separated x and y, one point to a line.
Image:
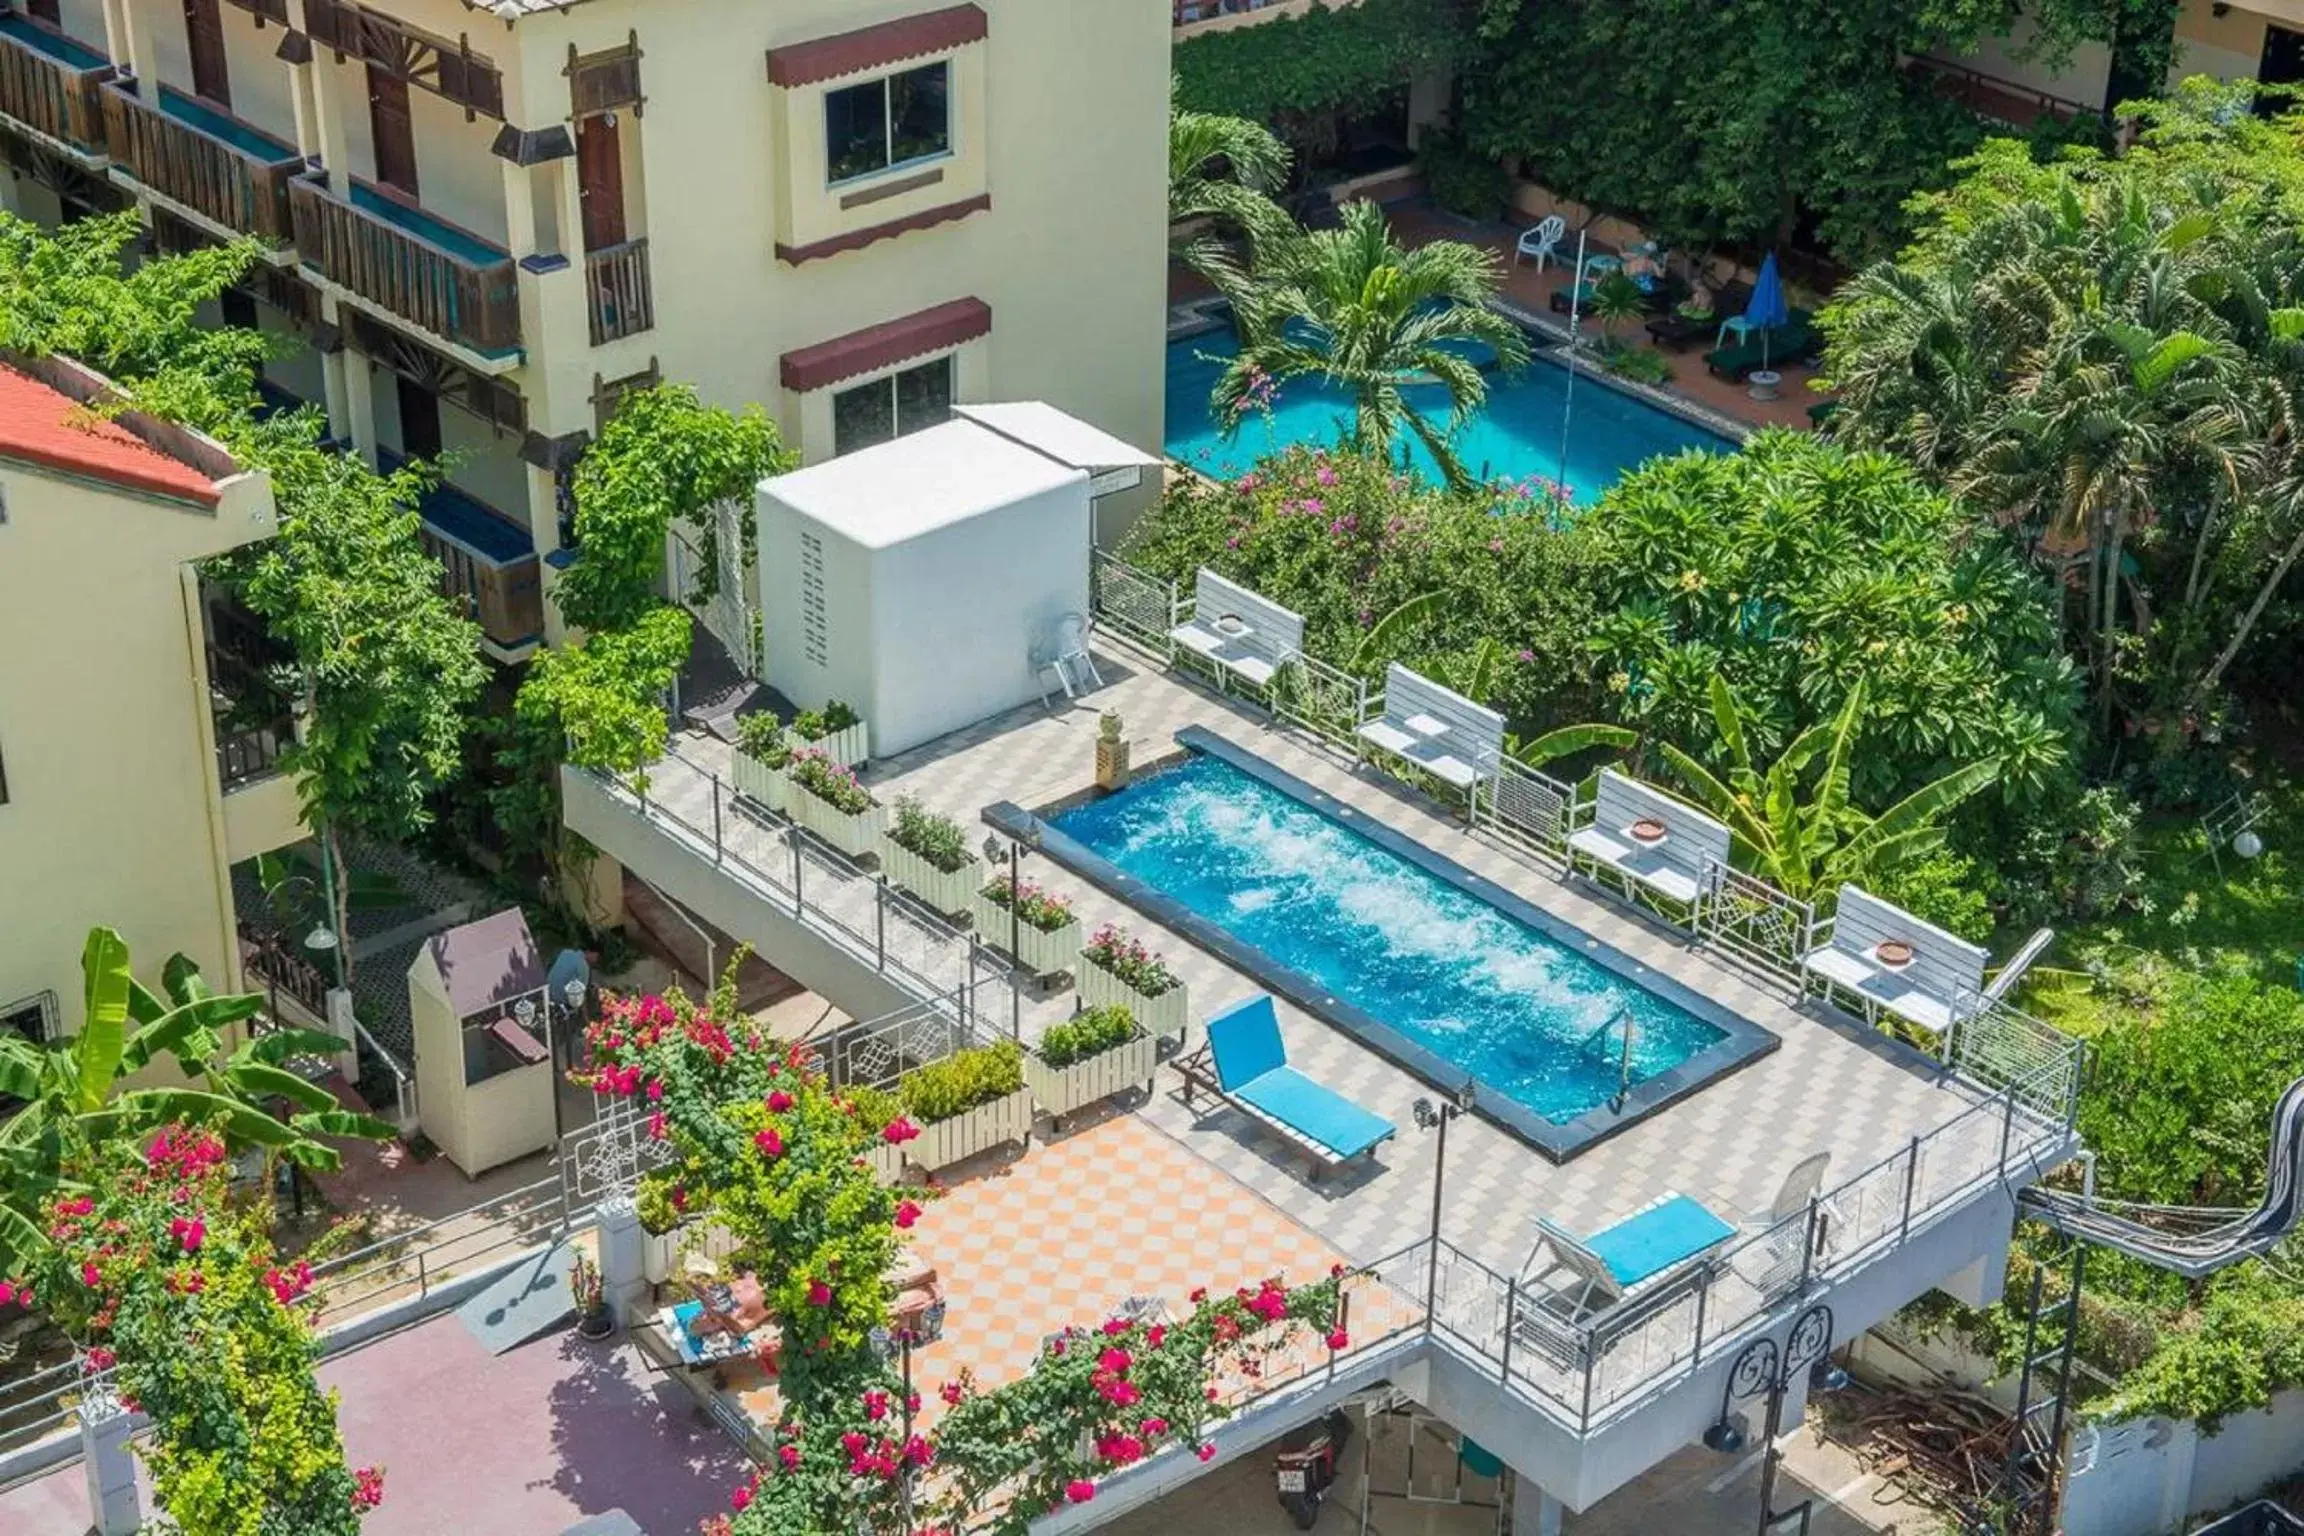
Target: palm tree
1807	838
1352	306
75	1098
1222	172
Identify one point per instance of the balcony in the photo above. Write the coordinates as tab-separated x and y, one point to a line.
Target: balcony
424	270
49	83
487	561
1196	16
229	173
620	300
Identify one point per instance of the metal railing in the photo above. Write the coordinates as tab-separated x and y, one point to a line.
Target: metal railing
1747	919
1326	701
407	1265
873	921
1523	806
225	182
473	302
1135	603
620	299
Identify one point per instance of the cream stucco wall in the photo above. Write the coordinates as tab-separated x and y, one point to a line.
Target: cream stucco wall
2230	46
1065	101
113	815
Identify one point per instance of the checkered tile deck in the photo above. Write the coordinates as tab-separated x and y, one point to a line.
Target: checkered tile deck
1832	1086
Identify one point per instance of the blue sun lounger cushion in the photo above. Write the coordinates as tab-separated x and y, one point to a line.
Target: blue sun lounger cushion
1252	1070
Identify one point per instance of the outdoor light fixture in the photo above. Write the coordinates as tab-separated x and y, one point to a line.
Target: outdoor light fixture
1726	1437
1826	1375
322	937
2248	845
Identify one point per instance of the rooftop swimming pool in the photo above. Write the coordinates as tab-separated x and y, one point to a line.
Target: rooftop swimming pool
1515	435
1446	972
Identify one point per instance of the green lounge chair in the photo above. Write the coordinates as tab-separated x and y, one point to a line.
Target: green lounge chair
1796	341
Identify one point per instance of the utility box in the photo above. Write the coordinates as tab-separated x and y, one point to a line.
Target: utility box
920	580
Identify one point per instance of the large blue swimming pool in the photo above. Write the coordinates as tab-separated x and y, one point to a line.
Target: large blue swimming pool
1524	1014
1517	434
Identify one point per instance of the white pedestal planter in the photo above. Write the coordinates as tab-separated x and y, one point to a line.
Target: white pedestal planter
942	1143
1063	1090
1045	950
847	748
854	836
753	778
887	1162
947	893
1160	1016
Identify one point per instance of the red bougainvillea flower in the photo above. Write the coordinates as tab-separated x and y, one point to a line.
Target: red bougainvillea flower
1199	1294
90	1277
779	1101
1114	1360
1153	1428
1339	1339
98	1358
1207	1452
7	1293
951	1392
367	1487
789	1455
770	1144
1079	1490
657	1129
655	1088
1154	1334
1114	1327
875	1405
906	1213
740	1498
819	1294
899	1131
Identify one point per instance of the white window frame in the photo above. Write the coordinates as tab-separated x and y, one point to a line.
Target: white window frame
888	123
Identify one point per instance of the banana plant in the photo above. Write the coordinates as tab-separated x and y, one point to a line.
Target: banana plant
77	1097
1806	839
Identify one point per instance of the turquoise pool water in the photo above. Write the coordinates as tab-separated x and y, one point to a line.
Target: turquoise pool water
1517	434
1523	1013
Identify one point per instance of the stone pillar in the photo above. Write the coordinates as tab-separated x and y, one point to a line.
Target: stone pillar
329	103
623	1260
108	1464
1535	1512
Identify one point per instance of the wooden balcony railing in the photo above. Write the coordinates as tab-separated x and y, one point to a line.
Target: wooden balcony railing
239	182
463	292
505	598
49	82
621	302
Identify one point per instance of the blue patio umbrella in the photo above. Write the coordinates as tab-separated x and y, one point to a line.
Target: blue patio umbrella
1767	309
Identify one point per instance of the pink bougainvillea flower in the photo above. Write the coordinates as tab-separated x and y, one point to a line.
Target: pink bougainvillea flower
789	1455
1207	1452
899	1131
98	1358
7	1293
819	1294
906	1213
656	1126
740	1499
1114	1327
655	1088
367	1487
779	1101
875	1405
90	1277
1079	1490
1339	1339
770	1143
951	1392
1153	1428
190	1232
1156	1333
1114	1360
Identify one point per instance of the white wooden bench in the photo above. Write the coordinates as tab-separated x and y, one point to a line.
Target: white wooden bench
1942	980
1436	729
1238	633
1674	866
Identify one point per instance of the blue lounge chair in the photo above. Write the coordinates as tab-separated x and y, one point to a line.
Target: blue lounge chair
1250	1070
1586	1275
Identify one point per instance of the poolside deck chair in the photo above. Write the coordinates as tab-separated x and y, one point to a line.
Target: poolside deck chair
1773	1261
1540	241
1246	1063
1568	1279
1796	341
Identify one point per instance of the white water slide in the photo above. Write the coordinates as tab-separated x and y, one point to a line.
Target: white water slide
2193	1240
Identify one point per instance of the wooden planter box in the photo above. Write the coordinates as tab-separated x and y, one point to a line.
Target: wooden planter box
887	1162
947	893
854	836
1063	1090
1164	1015
942	1143
1046	950
772	787
847	748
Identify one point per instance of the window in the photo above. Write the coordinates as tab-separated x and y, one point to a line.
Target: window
33	1018
890	407
893	121
419	420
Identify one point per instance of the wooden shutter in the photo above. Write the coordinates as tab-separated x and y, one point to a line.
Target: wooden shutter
204	31
394	130
600	182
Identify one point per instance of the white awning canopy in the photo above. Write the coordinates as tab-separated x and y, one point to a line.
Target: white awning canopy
1112	465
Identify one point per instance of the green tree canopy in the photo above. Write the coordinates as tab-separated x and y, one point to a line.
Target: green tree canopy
1794	569
2106	358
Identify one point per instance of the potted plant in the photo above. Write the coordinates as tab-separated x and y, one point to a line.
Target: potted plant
971	1101
1092	1055
835	730
828	801
763	761
1118	970
1034	925
928	855
877	1110
593	1319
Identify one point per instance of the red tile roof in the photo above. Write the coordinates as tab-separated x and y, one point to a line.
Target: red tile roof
39	425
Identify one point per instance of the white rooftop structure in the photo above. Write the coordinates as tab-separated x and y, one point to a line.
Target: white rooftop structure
922	580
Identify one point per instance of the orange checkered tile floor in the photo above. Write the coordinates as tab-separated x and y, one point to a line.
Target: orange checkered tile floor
1065	1233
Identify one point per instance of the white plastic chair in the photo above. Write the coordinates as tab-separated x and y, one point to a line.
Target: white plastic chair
1540	241
1068	658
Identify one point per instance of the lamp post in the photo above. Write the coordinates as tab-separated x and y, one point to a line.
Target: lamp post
1764	1367
1429	1118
